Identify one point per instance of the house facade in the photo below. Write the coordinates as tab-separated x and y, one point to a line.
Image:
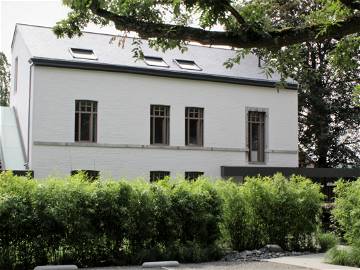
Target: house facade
86	104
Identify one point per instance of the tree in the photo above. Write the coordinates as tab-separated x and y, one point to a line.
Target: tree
246	24
329	118
328	73
4	80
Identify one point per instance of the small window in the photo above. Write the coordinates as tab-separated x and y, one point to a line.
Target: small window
193	175
16	71
256	136
83	53
187	64
159	124
194	126
85	121
155	61
158	175
91	175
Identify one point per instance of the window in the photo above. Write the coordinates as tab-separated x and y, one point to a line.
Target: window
83	53
159	124
16	71
194	126
256	136
158	175
90	174
187	64
85	121
193	175
155	61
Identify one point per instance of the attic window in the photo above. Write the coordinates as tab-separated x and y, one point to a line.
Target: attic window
83	53
155	61
187	64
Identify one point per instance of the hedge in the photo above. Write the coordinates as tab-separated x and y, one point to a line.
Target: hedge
271	210
346	215
72	220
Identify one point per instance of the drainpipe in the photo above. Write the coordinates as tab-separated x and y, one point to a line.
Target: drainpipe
28	122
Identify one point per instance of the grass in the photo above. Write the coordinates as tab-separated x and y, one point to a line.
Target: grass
347	256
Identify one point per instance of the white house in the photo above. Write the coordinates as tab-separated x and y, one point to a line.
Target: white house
86	104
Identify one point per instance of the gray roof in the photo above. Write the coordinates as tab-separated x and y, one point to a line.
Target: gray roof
43	44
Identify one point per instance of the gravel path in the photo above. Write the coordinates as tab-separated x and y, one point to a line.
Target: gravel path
216	266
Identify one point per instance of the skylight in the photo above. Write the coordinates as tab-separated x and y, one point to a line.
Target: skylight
83	53
155	61
187	64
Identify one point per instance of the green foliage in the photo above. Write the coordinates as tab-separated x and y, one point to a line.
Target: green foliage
347	215
347	209
102	223
327	241
4	80
329	118
349	256
72	220
271	210
244	21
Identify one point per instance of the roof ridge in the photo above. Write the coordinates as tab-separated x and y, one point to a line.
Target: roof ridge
122	36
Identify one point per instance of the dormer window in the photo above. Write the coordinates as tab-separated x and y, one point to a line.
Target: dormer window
83	53
187	64
155	61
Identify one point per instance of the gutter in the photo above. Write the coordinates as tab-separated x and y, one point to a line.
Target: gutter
49	62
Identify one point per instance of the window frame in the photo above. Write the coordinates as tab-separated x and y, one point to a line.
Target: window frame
166	124
162	173
262	129
193	175
184	62
91	175
76	55
93	120
200	126
148	58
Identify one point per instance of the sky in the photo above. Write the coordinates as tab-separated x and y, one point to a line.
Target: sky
40	12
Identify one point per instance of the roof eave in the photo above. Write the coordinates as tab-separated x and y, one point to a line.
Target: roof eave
49	62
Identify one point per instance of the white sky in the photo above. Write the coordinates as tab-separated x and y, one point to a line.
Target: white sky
40	12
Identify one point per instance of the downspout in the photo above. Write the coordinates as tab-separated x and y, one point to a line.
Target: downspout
28	123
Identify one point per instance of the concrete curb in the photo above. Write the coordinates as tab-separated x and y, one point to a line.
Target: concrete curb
56	267
160	264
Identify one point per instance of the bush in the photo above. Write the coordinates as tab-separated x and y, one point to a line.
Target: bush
348	256
103	223
327	241
346	212
271	210
74	221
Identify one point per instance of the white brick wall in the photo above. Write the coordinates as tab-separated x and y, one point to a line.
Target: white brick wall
124	118
20	99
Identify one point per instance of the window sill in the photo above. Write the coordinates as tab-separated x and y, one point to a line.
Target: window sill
257	162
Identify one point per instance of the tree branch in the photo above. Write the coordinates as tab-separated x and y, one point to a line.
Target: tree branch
235	13
247	38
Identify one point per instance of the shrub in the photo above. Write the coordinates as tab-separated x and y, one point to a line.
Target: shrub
347	209
346	214
74	221
327	241
101	223
348	256
271	210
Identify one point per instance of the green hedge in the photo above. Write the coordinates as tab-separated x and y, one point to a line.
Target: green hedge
271	210
346	212
118	222
346	215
